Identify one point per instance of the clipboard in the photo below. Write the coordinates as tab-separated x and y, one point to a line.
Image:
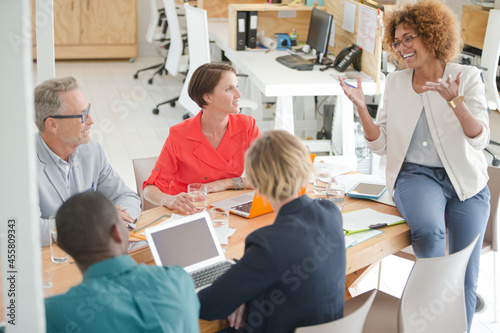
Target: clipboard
368	219
137	233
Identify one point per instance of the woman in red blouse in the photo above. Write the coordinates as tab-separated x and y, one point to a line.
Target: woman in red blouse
208	148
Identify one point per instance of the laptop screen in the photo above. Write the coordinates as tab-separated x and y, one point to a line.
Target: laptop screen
184	244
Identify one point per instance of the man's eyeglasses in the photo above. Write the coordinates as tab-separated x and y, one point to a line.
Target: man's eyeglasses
83	117
407	41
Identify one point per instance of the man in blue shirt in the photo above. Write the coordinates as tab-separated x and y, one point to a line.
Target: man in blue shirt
116	294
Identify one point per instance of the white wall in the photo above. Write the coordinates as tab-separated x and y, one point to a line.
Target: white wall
19	230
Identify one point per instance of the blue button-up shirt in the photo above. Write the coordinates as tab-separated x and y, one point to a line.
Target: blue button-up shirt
117	295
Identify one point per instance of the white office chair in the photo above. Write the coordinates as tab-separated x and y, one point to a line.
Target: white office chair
433	300
489	58
142	170
176	60
491	236
351	322
199	54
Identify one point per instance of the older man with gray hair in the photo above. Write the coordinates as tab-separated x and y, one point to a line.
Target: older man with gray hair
69	161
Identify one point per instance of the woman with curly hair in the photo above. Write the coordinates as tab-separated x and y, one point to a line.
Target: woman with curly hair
433	127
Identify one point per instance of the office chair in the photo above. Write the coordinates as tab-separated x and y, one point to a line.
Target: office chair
491	241
433	299
142	170
158	18
351	322
176	50
199	54
489	58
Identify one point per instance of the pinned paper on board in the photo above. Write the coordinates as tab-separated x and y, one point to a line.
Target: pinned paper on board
367	29
349	16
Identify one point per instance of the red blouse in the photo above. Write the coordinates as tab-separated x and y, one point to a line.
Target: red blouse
187	157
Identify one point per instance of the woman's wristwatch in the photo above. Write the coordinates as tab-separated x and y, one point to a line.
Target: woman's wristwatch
238	183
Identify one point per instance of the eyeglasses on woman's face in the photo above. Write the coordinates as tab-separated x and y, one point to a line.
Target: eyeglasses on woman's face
406	41
83	117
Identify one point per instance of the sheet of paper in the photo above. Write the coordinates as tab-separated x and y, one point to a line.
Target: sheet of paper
349	16
359	237
367	28
362	219
331	41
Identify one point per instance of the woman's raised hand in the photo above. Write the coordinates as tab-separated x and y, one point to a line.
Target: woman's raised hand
448	89
355	94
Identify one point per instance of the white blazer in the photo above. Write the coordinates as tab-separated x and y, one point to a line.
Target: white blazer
461	156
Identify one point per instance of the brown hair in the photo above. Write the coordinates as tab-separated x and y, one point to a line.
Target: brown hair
48	101
278	164
434	22
204	80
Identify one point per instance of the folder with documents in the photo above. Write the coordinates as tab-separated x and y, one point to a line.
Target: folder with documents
252	29
241	35
368	219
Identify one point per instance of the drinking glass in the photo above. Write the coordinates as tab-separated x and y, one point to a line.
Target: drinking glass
48	283
321	181
336	194
220	220
198	196
57	255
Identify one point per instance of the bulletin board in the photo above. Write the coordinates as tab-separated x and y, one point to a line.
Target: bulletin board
369	30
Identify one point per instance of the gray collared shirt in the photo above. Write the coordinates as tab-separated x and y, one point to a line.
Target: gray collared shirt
63	166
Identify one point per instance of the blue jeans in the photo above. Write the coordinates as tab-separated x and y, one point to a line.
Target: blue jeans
425	196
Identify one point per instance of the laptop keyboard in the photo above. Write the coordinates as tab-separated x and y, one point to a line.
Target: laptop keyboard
208	275
294	61
243	207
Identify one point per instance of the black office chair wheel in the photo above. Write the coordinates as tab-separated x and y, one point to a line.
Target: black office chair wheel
156	111
136	76
150	81
186	116
172	104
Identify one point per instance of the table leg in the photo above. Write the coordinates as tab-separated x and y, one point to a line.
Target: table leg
343	127
284	114
352	280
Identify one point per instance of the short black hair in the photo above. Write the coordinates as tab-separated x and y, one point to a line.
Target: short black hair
84	223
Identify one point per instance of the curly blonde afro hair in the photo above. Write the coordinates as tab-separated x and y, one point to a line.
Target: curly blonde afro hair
433	21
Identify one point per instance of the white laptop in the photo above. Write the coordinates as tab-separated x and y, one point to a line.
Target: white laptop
189	242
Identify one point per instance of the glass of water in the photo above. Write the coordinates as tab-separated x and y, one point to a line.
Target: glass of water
321	181
57	255
336	194
220	220
198	195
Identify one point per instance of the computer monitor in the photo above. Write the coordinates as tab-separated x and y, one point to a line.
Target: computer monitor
319	32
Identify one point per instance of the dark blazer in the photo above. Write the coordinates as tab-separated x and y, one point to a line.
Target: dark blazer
292	273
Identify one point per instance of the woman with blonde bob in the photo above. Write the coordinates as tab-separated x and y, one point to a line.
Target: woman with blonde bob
293	271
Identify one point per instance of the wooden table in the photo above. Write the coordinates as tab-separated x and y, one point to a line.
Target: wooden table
359	258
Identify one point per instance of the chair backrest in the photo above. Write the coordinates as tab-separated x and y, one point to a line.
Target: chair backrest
199	50
492	233
175	49
142	170
433	299
350	323
153	21
489	58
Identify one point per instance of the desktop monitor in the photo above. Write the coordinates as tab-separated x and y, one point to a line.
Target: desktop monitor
319	32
